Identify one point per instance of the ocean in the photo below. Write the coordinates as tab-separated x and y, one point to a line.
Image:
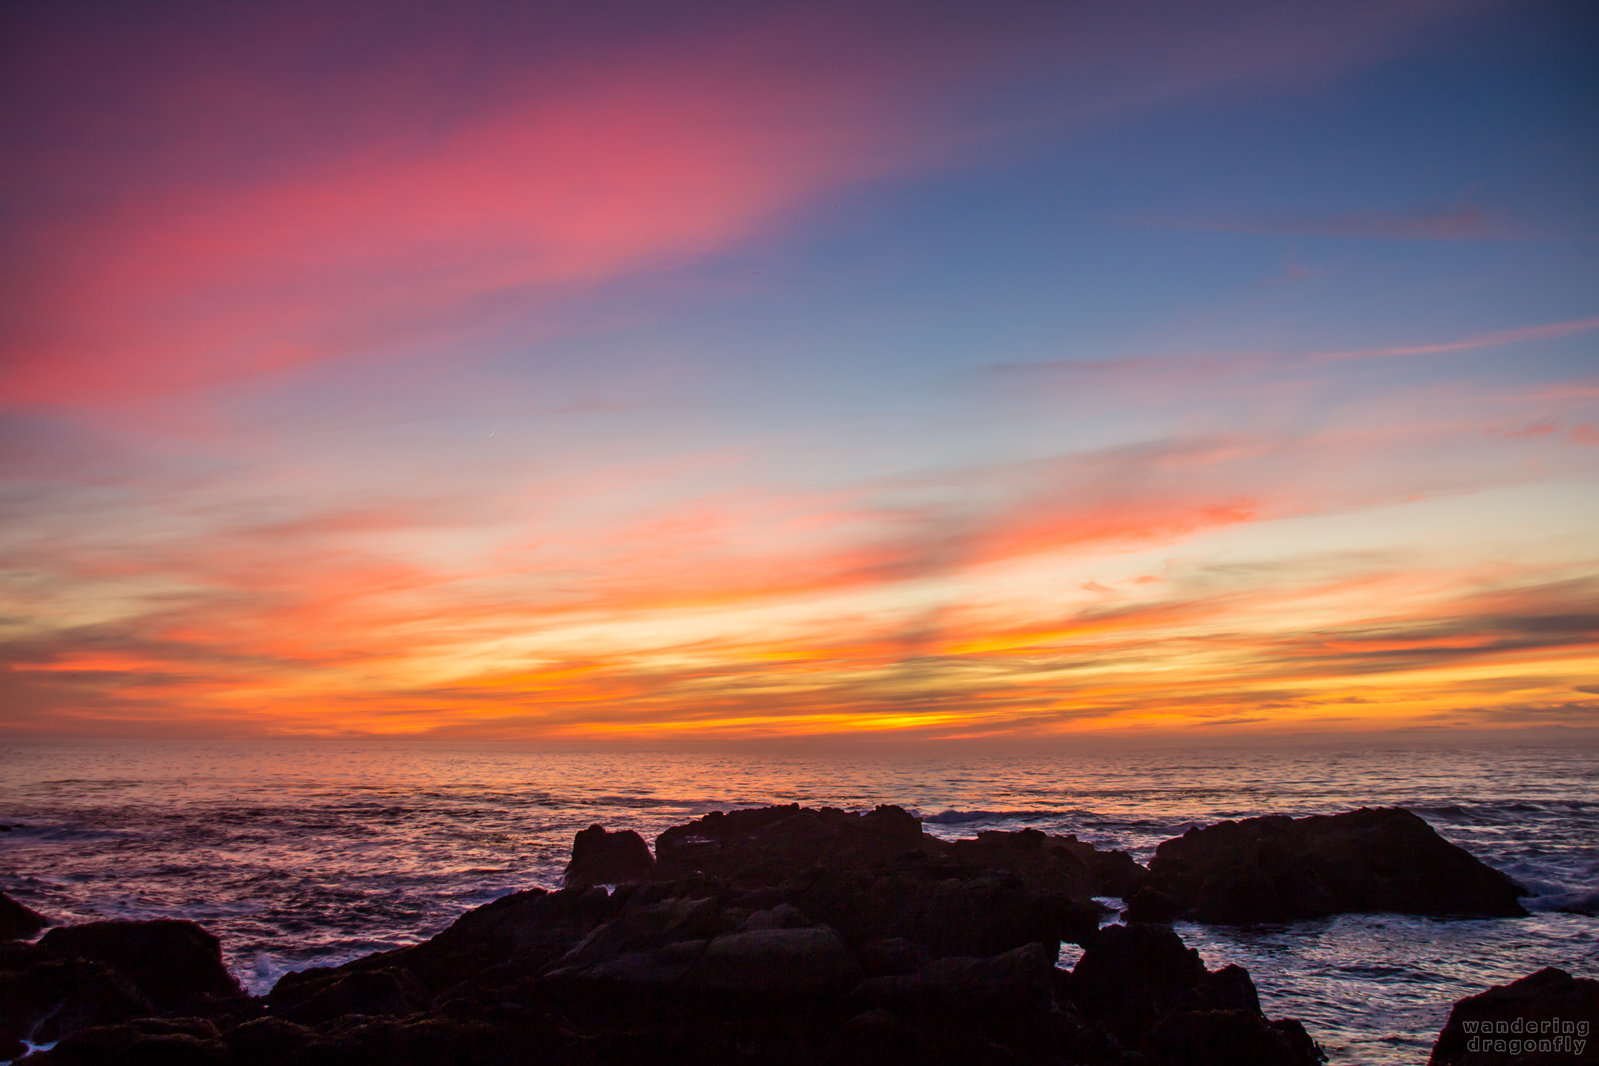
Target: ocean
305	853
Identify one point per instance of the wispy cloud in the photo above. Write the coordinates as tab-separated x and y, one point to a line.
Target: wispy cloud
1460	221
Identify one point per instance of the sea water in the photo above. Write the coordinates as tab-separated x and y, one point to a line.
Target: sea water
304	853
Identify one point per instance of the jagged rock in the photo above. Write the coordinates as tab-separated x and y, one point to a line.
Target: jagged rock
782	916
17	921
1028	855
658	967
889	956
422	1041
1278	869
775	962
266	1041
1228	1038
171	961
1150	905
1544	1019
328	995
643	928
1153	992
776	936
526	930
1111	873
1131	975
600	857
49	997
882	1037
942	909
1016	981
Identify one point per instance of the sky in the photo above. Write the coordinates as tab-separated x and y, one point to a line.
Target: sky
639	371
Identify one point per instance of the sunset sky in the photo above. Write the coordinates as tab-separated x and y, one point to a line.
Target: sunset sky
748	369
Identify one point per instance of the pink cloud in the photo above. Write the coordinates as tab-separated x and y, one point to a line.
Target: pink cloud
224	201
1495	339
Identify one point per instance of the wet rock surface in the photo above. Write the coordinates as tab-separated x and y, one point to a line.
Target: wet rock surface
779	935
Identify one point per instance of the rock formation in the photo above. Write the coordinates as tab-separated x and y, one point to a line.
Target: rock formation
1280	869
1545	1019
782	935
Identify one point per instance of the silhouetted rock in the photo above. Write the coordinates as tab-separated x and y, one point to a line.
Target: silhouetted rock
1131	975
43	997
19	922
600	857
1228	1038
882	1037
770	844
775	962
146	1042
1150	905
170	961
1278	869
888	956
1544	1019
527	929
1111	873
420	1041
943	909
266	1041
1028	854
324	996
1017	981
1153	993
778	936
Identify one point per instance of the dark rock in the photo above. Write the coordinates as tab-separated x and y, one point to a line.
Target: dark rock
56	996
659	967
1111	873
1150	905
525	930
327	995
147	1042
942	909
1228	1038
770	844
1024	854
777	936
423	1041
782	916
775	962
644	928
1229	988
1015	982
266	1041
879	1036
605	858
19	922
170	961
1278	869
1131	975
1548	1017
889	956
1151	991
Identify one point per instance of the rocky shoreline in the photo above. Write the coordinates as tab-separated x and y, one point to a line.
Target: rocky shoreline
793	935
